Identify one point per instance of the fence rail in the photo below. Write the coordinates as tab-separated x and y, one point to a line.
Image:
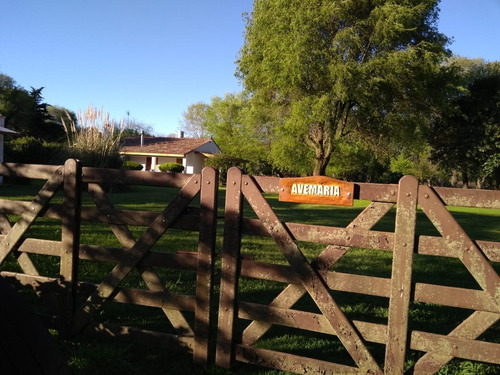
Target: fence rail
133	268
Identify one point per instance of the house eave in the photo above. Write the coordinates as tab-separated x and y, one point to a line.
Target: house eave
151	154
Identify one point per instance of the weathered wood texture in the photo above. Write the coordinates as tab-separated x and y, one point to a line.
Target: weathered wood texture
74	303
132	255
314	278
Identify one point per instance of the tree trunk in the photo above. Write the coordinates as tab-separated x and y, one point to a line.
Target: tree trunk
320	165
454	179
465	180
321	141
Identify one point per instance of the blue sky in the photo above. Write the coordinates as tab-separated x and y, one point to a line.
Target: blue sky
153	58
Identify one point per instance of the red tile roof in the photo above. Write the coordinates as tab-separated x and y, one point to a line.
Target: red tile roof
161	145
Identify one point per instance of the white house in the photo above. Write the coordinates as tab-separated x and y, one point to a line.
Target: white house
151	152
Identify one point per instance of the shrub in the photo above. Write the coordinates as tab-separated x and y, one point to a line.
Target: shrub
24	150
171	167
132	165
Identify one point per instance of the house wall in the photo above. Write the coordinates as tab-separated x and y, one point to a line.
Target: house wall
195	162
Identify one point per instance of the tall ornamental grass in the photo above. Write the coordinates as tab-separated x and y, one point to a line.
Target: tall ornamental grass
95	140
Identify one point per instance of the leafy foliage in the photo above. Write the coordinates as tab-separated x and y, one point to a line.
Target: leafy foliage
171	167
34	151
467	137
193	121
132	165
327	68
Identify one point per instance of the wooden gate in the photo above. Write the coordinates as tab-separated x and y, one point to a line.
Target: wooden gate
360	339
132	269
136	232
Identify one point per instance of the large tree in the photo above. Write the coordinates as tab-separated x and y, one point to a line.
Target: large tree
466	137
193	122
330	67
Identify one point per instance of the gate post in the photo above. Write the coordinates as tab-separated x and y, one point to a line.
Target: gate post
205	268
224	355
70	241
402	260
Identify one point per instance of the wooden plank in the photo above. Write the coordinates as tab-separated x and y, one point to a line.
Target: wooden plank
428	245
469	197
189	220
157	298
70	242
475	325
456	297
14	237
136	253
152	259
136	335
224	355
344	282
206	262
292	293
402	263
311	280
307	321
370	192
127	177
376	192
23	259
352	237
456	347
148	274
290	362
36	282
388	193
459	242
31	171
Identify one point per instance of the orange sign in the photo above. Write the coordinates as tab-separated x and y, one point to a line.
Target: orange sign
318	190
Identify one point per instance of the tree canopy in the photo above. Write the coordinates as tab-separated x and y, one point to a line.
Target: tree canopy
328	68
466	137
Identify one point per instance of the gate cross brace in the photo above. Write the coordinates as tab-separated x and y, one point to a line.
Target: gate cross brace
46	193
310	278
150	277
158	227
326	259
458	241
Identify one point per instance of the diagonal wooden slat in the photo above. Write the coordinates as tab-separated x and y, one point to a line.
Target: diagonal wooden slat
39	203
136	253
310	278
325	260
150	277
460	243
23	258
402	263
471	328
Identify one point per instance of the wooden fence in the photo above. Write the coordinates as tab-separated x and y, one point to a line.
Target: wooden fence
78	300
302	277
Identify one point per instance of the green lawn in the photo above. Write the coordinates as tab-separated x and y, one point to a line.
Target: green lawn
91	356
